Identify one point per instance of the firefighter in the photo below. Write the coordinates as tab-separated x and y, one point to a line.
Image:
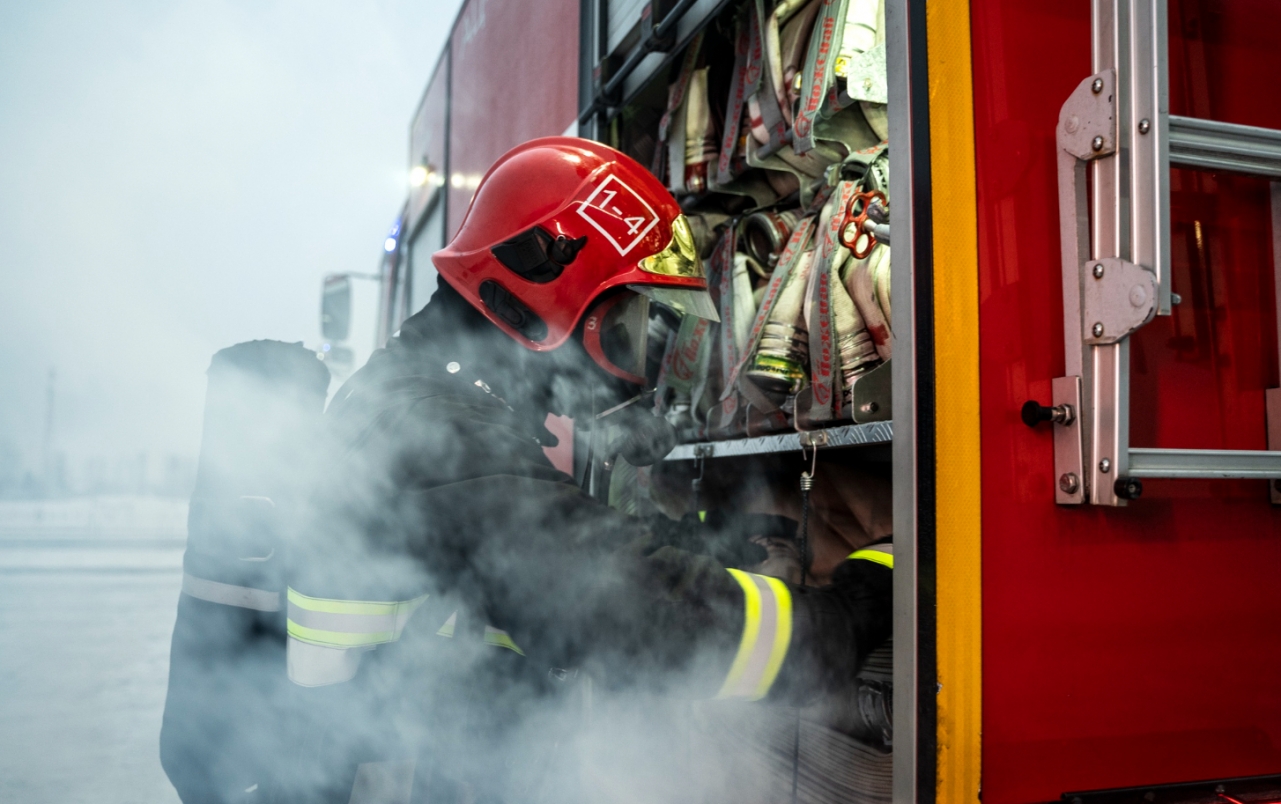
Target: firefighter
451	576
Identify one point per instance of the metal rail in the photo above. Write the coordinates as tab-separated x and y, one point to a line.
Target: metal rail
1211	145
850	435
653	40
607	97
1211	463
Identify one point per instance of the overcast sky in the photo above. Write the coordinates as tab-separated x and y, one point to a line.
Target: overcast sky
177	177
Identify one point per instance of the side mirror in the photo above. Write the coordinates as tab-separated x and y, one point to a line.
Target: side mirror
335	308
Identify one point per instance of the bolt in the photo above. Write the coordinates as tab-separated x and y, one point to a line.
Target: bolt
1098	271
1176	299
452	367
1097	329
1069	482
1105	466
870	407
1097	86
1064	415
1097	143
1145	125
1218	788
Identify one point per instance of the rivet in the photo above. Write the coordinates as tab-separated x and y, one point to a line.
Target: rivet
1097	143
1105	466
1069	483
1145	125
1098	271
1097	329
1097	86
452	367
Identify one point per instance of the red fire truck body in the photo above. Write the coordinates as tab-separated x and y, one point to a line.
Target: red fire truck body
1043	646
1125	646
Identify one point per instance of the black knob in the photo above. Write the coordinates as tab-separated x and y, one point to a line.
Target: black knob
1034	413
1128	488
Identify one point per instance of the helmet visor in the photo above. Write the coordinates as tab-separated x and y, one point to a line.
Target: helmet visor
680	258
616	334
686	301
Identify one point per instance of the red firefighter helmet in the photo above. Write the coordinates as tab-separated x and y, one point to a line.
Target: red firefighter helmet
560	229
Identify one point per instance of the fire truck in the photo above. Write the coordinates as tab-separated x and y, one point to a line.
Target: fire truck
1074	387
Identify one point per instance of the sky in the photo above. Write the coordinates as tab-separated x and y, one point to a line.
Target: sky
177	177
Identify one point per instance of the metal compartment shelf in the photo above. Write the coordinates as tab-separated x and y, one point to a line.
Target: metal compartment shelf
850	435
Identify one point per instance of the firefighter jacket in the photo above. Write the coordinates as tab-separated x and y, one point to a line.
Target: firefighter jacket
449	570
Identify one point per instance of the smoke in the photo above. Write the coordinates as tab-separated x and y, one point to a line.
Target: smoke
179	177
430	487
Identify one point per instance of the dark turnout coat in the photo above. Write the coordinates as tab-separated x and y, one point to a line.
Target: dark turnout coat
449	581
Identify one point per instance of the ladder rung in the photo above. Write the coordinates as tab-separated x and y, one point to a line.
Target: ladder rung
1211	145
1221	463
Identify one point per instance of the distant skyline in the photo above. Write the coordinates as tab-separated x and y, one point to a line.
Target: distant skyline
177	177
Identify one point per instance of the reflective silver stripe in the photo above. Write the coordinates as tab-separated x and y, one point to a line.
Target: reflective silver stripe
383	782
350	623
347	623
767	633
310	665
244	597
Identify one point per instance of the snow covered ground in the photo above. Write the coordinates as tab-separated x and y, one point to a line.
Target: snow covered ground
88	591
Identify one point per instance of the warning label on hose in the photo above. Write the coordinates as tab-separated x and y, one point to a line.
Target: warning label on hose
618	212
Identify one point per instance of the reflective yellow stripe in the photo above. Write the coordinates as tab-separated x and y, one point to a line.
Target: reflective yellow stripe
339	639
767	633
347	623
447	630
493	636
500	639
878	556
332	606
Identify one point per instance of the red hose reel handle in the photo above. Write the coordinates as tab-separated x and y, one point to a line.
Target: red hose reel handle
851	238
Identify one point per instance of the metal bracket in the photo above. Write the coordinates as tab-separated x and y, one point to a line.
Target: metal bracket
872	395
1117	297
1069	461
1087	119
813	438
